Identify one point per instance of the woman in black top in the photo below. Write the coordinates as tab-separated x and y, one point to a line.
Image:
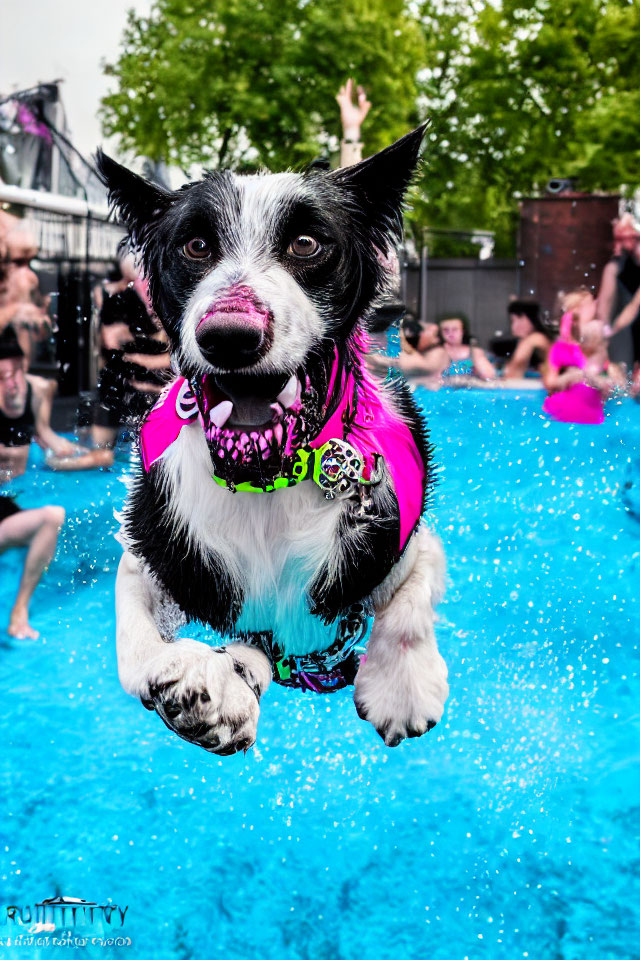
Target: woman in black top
136	366
125	386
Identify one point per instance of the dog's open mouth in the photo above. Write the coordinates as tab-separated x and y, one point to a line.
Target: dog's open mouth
254	423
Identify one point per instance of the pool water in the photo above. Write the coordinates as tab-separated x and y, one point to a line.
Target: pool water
510	831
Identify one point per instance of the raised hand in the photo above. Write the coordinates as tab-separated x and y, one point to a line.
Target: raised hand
352	115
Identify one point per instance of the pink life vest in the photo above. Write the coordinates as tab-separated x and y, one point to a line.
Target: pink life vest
579	403
376	430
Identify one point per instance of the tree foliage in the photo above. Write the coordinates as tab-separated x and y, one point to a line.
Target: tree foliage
522	91
519	91
245	83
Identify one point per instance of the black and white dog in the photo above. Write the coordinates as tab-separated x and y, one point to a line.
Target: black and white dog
281	487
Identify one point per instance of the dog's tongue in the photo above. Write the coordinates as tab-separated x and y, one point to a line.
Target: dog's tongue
252	397
250	412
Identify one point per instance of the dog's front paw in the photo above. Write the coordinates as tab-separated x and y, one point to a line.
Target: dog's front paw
404	697
208	695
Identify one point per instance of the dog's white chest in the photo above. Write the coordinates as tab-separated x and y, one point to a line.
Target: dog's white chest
271	544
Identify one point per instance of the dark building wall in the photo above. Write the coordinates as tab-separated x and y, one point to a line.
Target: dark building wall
564	242
479	288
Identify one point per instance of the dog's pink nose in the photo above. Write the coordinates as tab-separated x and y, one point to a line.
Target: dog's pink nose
233	332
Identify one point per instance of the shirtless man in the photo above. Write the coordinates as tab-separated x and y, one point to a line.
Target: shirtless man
19	285
25	410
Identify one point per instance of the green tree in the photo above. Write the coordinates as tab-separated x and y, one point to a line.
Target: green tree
521	92
606	154
244	83
518	91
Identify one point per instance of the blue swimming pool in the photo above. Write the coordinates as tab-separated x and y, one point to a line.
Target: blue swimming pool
510	831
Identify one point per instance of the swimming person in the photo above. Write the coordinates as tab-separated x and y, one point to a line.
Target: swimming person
459	359
532	342
444	356
418	359
25	407
421	336
578	375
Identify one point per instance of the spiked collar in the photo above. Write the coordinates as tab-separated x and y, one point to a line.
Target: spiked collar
330	460
364	437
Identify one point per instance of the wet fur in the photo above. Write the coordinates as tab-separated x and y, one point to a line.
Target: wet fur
289	561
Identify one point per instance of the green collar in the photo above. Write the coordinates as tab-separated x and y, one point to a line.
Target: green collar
336	466
305	459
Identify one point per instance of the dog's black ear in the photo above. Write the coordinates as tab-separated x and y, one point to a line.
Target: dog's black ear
138	202
380	182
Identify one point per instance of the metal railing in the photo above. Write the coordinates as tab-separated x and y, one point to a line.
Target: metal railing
77	243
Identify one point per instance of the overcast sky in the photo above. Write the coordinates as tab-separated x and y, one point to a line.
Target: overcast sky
44	40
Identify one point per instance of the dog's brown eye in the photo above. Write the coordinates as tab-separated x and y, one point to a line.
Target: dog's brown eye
197	249
304	247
